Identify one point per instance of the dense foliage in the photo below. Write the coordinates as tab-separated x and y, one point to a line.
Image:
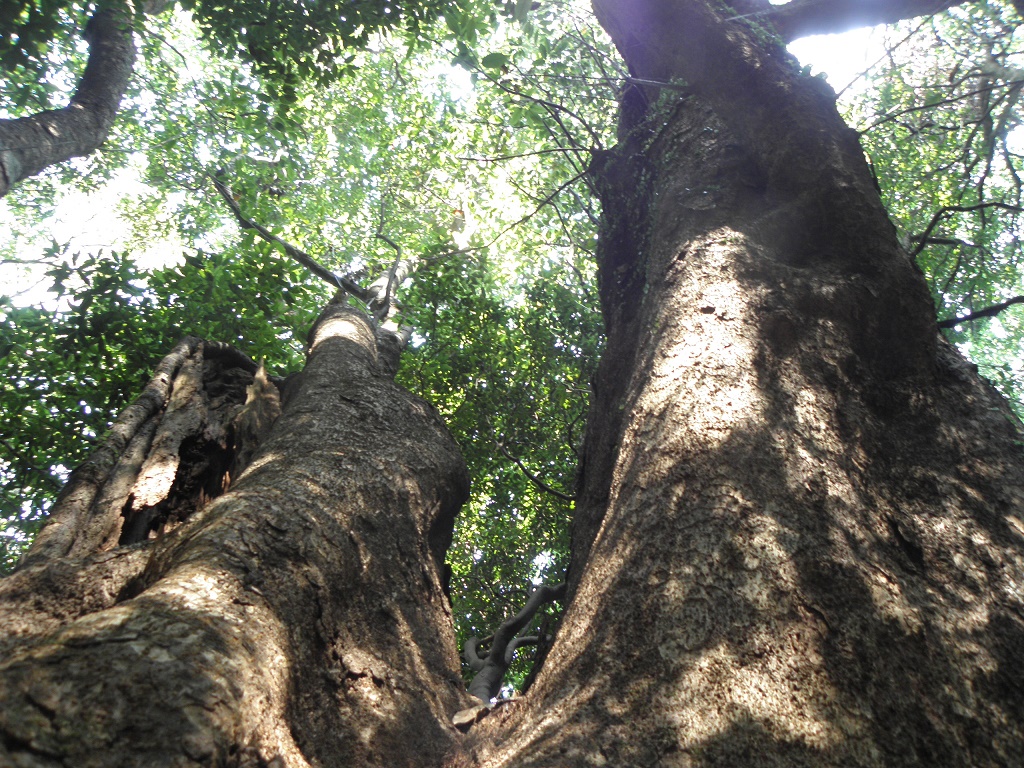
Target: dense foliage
465	141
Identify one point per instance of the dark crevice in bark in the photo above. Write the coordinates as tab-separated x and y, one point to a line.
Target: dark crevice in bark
623	178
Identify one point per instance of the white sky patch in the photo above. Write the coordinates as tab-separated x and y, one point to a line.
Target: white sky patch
843	57
541	563
88	222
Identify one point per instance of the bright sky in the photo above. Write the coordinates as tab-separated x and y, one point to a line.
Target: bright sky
842	57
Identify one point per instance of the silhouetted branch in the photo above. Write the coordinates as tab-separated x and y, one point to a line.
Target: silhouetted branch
533	478
490	670
992	311
923	239
297	254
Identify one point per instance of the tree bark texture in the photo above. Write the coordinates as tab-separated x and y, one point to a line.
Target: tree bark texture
799	536
298	619
799	539
30	144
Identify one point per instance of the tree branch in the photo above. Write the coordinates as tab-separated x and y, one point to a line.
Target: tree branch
533	478
297	254
800	18
925	237
992	311
30	144
490	670
891	116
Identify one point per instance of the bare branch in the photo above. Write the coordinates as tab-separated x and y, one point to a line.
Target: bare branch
490	670
297	254
891	116
800	18
924	238
992	311
533	478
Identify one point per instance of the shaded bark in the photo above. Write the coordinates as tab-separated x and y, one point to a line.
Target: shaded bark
799	538
297	618
30	144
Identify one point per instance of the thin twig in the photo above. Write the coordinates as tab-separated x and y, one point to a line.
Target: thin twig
951	100
924	237
533	478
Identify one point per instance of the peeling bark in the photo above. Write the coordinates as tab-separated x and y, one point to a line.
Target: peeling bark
30	144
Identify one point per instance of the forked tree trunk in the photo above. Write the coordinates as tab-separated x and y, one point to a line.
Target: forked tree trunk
298	619
800	535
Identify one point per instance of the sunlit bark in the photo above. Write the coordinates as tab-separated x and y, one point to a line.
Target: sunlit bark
298	619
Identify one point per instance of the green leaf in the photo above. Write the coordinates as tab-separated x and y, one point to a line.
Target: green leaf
495	61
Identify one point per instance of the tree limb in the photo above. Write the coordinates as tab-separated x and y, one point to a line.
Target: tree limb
510	652
924	238
30	144
992	311
800	18
490	670
297	254
533	478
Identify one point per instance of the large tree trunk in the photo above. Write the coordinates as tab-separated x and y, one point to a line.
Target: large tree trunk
800	533
298	619
800	530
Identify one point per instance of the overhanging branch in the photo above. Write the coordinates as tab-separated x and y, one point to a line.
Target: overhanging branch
30	144
297	254
992	311
533	478
925	237
800	18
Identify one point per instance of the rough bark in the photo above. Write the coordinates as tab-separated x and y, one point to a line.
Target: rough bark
799	536
30	144
297	619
